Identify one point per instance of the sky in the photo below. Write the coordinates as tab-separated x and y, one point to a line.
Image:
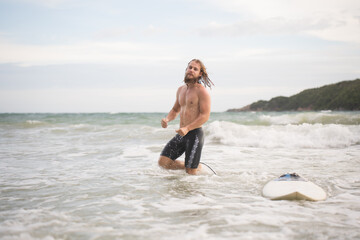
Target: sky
130	56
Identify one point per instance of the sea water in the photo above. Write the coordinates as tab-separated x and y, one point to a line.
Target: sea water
95	176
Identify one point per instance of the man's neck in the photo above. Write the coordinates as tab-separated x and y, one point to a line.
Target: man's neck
192	85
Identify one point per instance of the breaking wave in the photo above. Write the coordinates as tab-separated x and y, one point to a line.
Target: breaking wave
294	136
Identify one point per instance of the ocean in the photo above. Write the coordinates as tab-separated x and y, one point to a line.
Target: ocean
95	176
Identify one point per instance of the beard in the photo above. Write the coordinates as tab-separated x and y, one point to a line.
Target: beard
190	79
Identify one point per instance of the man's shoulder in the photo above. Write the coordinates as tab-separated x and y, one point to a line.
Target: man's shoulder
181	88
203	90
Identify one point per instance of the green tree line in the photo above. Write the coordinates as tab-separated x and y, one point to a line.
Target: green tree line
342	96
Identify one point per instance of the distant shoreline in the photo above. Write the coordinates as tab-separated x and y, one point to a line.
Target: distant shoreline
342	96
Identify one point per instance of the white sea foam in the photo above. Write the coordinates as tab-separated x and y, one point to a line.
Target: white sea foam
95	176
311	118
34	122
294	136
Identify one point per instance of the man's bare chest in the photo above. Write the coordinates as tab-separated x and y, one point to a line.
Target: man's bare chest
188	98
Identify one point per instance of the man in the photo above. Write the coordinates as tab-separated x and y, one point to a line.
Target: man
193	104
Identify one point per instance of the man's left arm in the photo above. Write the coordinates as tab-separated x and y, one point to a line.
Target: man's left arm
204	113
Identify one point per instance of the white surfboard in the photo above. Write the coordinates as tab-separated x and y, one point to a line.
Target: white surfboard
291	186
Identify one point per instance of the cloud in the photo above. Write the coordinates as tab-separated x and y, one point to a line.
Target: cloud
116	52
344	30
47	3
86	52
87	100
153	30
271	26
329	20
288	9
113	33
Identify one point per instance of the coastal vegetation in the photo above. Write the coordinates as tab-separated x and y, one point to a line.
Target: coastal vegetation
342	96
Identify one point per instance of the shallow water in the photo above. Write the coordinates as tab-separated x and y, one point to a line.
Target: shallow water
95	176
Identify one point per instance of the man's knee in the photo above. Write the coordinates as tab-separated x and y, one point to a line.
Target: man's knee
164	162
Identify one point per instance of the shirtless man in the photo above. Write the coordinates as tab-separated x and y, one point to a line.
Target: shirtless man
193	103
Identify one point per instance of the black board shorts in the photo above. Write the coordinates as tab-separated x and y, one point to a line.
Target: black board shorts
192	144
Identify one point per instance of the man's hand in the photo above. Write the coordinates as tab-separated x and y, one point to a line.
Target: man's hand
182	131
164	122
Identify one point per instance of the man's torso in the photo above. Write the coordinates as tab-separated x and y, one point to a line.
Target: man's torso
189	103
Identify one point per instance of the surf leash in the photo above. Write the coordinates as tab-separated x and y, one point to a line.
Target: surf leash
209	167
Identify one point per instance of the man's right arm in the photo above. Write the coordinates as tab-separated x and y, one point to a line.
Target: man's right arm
173	112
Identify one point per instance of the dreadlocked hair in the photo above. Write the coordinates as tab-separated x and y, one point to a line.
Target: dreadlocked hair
204	76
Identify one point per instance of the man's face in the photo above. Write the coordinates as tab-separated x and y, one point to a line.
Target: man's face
192	73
